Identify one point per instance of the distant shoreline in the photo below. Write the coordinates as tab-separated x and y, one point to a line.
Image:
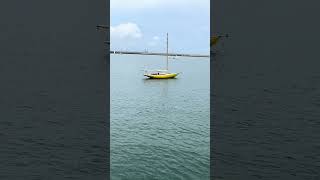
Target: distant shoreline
158	54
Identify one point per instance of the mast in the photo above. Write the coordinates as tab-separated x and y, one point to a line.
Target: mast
167	52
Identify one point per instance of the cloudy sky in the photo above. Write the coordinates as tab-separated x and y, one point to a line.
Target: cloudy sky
139	25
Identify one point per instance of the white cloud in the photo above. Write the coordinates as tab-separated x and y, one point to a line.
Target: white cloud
156	38
125	31
141	4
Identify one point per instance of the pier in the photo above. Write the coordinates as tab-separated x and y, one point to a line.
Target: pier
158	54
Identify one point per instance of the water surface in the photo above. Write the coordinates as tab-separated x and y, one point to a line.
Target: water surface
159	128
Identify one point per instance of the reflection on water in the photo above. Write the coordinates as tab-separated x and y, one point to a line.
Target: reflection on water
161	84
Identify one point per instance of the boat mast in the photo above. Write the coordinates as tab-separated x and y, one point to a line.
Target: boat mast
167	52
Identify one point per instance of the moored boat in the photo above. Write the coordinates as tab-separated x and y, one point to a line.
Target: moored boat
161	74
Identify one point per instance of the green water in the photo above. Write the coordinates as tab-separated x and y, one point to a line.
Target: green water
159	128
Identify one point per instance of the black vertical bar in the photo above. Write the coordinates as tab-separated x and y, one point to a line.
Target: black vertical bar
54	113
265	90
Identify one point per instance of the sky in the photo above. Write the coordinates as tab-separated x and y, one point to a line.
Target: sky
139	25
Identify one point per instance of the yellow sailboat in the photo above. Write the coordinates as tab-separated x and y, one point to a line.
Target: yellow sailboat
161	74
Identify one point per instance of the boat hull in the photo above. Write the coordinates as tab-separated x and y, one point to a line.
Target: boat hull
162	76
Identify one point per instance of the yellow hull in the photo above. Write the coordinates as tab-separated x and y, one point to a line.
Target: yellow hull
162	76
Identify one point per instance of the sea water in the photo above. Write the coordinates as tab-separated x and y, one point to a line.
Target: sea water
159	128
